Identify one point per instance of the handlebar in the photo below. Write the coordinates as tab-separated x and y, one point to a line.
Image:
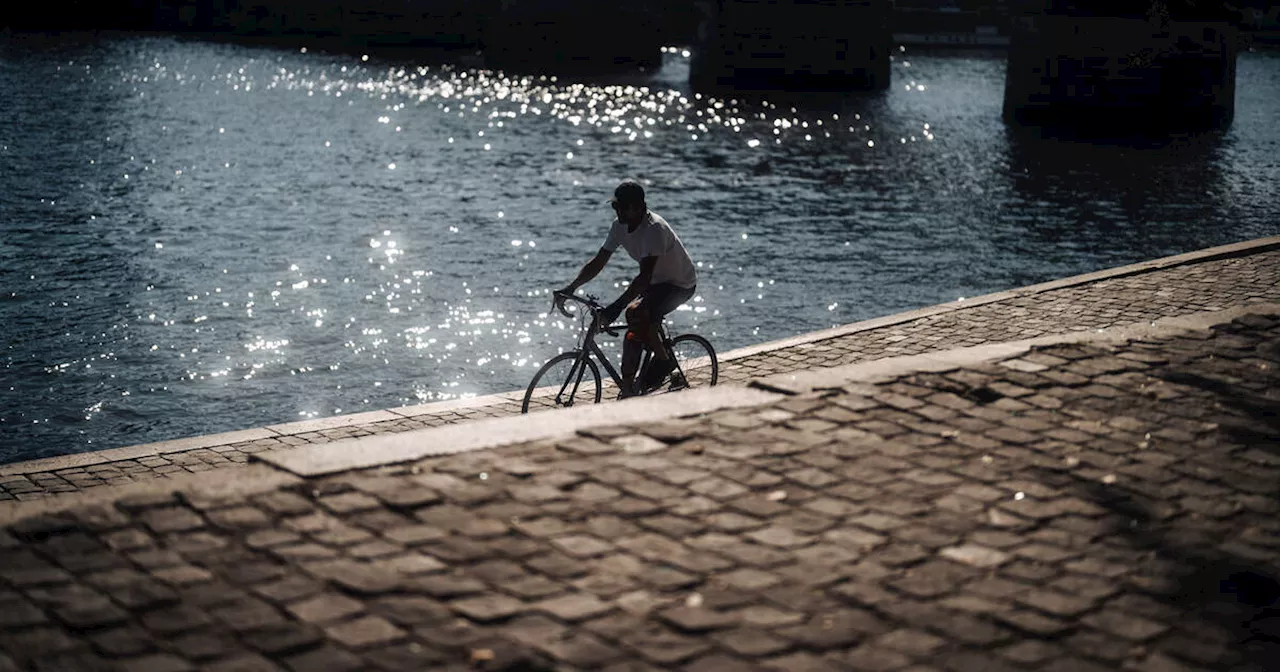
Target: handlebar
590	303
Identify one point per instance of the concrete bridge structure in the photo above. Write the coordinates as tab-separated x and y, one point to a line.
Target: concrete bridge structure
1163	64
1118	67
812	44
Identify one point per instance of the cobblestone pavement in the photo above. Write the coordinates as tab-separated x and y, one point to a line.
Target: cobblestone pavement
1180	290
1082	507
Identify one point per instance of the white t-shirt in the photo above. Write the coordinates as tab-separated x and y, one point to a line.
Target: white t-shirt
654	238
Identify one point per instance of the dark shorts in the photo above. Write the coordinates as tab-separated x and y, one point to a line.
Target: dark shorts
663	298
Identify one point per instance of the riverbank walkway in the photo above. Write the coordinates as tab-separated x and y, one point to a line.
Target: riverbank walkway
1199	281
1080	476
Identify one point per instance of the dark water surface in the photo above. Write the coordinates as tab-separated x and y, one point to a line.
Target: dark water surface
202	237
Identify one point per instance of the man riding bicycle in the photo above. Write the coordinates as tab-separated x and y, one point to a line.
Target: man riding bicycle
666	280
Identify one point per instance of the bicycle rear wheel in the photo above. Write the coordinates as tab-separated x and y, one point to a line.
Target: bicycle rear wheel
562	382
696	363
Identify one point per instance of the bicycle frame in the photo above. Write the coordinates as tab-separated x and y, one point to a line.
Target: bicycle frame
589	347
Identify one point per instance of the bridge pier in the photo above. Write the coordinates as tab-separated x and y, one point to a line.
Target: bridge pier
1117	67
824	45
573	36
351	24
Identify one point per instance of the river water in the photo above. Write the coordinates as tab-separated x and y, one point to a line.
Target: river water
200	237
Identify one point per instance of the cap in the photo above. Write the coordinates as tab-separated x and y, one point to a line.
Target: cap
629	191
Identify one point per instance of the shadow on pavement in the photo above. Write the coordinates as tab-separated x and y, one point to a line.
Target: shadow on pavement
1244	381
1209	551
1227	597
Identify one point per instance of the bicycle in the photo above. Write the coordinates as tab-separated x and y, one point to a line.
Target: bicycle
696	363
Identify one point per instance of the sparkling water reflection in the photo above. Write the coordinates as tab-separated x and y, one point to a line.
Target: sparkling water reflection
204	237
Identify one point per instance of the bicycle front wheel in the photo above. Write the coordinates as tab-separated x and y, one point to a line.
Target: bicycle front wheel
696	364
568	379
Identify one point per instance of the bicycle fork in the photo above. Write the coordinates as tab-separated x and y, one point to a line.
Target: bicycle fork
573	380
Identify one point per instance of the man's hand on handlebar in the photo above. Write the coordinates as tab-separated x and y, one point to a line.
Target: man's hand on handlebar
603	316
557	301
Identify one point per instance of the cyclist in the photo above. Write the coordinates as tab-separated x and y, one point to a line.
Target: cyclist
666	280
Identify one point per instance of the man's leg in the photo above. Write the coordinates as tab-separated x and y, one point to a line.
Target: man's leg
646	329
632	344
641	321
646	313
644	318
631	351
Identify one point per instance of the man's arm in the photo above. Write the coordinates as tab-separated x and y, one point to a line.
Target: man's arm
589	270
640	282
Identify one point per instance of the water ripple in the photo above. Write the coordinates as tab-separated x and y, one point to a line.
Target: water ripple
206	237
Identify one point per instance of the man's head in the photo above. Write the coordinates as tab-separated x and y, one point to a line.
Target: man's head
628	202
